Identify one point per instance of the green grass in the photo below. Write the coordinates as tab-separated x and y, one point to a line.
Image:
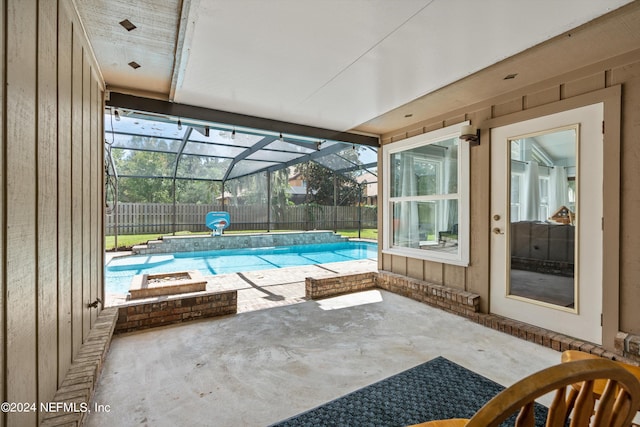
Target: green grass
365	233
125	242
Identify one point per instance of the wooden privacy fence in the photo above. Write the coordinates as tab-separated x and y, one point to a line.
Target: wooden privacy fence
142	218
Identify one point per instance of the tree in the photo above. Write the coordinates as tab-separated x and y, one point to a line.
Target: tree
138	164
279	193
198	192
320	185
134	166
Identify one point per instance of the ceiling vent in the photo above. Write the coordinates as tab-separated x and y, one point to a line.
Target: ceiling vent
128	25
134	65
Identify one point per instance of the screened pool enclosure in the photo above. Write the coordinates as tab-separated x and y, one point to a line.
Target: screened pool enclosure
163	173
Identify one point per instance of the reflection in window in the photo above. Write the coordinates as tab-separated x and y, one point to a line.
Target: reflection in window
542	175
429	176
543	217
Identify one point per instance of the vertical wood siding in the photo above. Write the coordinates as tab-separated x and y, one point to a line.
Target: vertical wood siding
86	192
47	201
51	239
21	210
3	223
64	195
77	306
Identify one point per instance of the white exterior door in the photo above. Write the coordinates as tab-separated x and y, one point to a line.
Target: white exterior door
546	222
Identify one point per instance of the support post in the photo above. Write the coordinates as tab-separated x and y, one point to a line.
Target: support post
268	201
359	209
115	210
335	202
173	225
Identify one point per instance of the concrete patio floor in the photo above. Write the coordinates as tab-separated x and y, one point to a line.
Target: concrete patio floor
259	367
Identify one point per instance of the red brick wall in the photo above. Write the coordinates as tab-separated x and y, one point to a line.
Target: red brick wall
448	299
338	285
144	315
628	345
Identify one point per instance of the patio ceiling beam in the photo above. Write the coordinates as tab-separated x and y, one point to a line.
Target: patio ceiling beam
136	103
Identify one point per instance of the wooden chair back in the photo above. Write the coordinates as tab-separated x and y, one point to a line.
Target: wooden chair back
616	408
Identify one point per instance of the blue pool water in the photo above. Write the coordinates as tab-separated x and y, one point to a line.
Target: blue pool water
119	271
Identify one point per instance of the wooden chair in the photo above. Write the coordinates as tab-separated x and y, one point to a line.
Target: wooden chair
617	406
599	385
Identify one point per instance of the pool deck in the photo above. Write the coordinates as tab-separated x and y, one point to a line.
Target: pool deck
259	367
262	289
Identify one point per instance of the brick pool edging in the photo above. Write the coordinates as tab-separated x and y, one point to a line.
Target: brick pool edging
169	310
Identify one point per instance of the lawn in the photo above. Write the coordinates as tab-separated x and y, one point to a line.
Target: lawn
125	242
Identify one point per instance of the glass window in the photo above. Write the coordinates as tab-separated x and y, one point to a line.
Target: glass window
542	233
426	197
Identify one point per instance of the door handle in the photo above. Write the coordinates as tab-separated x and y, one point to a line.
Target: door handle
497	231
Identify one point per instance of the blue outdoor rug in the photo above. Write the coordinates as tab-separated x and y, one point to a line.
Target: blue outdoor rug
435	390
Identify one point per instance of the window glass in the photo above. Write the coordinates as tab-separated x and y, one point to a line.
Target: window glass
542	232
426	182
427	170
431	225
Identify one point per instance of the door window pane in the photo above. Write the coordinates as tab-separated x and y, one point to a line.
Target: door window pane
543	217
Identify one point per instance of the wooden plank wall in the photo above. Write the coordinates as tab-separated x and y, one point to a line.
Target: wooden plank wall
20	169
51	239
76	192
64	195
3	223
47	200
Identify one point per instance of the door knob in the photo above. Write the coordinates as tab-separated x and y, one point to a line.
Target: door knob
497	231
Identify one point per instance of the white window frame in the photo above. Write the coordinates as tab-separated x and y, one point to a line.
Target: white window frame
462	257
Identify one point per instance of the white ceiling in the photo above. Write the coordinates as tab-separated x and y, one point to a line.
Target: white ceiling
328	63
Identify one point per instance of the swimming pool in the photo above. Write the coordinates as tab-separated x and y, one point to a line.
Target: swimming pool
119	271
